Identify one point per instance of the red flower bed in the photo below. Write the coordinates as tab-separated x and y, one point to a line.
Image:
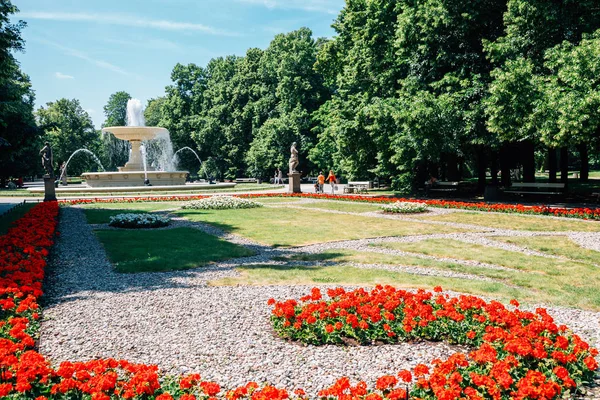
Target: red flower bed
523	351
582	213
517	354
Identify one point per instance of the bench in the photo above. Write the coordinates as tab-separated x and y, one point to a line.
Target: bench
245	180
441	187
357	187
536	188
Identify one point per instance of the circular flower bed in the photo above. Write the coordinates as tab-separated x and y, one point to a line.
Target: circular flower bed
404	207
221	203
516	354
139	221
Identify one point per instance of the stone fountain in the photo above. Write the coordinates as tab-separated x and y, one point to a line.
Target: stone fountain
135	172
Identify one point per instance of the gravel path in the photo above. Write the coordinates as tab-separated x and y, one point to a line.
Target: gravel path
176	321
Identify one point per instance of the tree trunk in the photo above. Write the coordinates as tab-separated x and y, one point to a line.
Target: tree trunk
528	160
494	168
552	164
564	165
452	167
481	168
584	173
505	165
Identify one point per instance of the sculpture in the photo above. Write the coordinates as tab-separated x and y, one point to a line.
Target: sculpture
293	159
47	160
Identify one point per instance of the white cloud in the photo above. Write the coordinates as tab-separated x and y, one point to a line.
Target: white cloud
60	75
90	111
332	7
84	56
125	20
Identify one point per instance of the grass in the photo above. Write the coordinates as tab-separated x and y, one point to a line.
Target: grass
558	246
554	281
275	200
344	206
519	222
260	275
165	250
293	227
7	220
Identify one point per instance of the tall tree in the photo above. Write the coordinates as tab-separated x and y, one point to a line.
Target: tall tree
18	154
115	152
69	128
292	91
181	107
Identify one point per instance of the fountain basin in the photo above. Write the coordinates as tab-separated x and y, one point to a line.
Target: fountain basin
136	133
134	178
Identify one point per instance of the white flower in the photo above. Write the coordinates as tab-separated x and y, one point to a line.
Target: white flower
404	207
221	203
139	221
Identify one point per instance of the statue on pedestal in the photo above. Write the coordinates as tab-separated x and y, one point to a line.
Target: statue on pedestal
293	159
47	160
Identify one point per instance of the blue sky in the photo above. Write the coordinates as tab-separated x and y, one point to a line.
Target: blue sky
89	49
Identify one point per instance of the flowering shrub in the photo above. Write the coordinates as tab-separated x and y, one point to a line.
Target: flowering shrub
517	354
404	207
139	221
580	212
221	203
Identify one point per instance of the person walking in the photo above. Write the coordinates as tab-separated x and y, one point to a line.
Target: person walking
332	181
280	176
276	177
320	182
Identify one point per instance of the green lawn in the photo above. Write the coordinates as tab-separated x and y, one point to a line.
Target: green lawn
346	206
555	245
275	200
293	227
260	275
165	250
7	220
564	282
518	222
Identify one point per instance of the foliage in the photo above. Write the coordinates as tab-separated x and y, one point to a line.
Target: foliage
115	152
69	128
19	134
139	221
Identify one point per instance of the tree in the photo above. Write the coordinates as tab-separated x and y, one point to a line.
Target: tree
291	91
180	109
115	152
531	28
115	109
153	113
69	128
17	125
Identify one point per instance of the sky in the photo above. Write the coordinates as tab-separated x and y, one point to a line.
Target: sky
89	49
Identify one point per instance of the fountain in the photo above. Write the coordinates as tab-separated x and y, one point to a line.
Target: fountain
151	160
86	151
136	171
197	157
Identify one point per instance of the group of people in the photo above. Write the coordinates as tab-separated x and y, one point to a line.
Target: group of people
321	182
319	186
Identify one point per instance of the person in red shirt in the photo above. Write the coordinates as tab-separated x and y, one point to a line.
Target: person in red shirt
332	181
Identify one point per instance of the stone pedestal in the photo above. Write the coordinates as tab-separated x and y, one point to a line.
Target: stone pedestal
294	185
49	188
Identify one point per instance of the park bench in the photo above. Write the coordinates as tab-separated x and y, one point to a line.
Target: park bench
357	187
441	187
245	180
532	188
